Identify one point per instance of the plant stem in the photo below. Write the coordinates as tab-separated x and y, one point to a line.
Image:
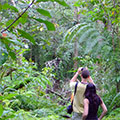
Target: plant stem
18	17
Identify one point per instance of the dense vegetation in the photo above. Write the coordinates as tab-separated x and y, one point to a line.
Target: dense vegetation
43	42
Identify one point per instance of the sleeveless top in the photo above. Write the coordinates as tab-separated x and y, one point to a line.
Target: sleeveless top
92	112
78	105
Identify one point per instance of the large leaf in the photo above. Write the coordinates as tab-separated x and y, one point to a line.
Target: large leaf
42	0
71	33
61	2
10	52
86	34
3	54
44	12
12	55
26	35
1	109
7	6
3	57
5	50
50	26
23	19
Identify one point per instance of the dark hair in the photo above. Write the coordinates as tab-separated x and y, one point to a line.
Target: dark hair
90	94
85	73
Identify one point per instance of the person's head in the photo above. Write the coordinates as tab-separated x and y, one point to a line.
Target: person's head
90	90
85	73
90	94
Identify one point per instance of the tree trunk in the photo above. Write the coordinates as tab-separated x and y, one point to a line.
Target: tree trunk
77	16
75	54
118	86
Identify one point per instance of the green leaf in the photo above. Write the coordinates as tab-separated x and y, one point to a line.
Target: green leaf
23	19
13	8
3	54
12	55
118	79
26	35
16	42
42	1
62	2
0	7
44	12
1	109
50	26
9	96
7	6
3	57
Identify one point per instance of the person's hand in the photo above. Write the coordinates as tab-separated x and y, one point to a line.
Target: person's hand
86	68
79	70
99	119
90	79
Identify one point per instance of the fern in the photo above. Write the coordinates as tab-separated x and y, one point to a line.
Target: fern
115	101
70	33
85	34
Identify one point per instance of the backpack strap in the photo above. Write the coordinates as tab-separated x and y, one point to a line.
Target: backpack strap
74	92
75	88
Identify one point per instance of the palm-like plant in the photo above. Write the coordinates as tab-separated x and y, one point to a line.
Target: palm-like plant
86	34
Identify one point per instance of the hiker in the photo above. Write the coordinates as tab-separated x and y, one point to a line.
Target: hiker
78	99
91	104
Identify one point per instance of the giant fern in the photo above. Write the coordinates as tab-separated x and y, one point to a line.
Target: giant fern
85	34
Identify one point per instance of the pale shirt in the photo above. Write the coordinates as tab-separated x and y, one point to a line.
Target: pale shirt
78	105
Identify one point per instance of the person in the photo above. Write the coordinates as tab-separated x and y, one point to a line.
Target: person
78	99
91	104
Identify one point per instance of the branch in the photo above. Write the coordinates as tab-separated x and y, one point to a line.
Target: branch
10	71
18	17
56	94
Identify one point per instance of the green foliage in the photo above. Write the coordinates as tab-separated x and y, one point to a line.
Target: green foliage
26	35
86	34
114	115
49	25
12	25
7	6
1	110
3	54
44	12
25	92
61	2
23	82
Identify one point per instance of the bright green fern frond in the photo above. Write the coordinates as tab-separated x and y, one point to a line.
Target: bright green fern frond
87	35
70	33
84	33
91	43
79	32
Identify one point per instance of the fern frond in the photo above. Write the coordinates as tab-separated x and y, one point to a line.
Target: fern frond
115	101
72	31
91	43
80	32
85	34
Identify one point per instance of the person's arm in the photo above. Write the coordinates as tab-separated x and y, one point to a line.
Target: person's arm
86	107
74	79
104	108
91	80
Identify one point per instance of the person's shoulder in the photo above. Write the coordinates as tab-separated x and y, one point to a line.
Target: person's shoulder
72	84
86	101
82	85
